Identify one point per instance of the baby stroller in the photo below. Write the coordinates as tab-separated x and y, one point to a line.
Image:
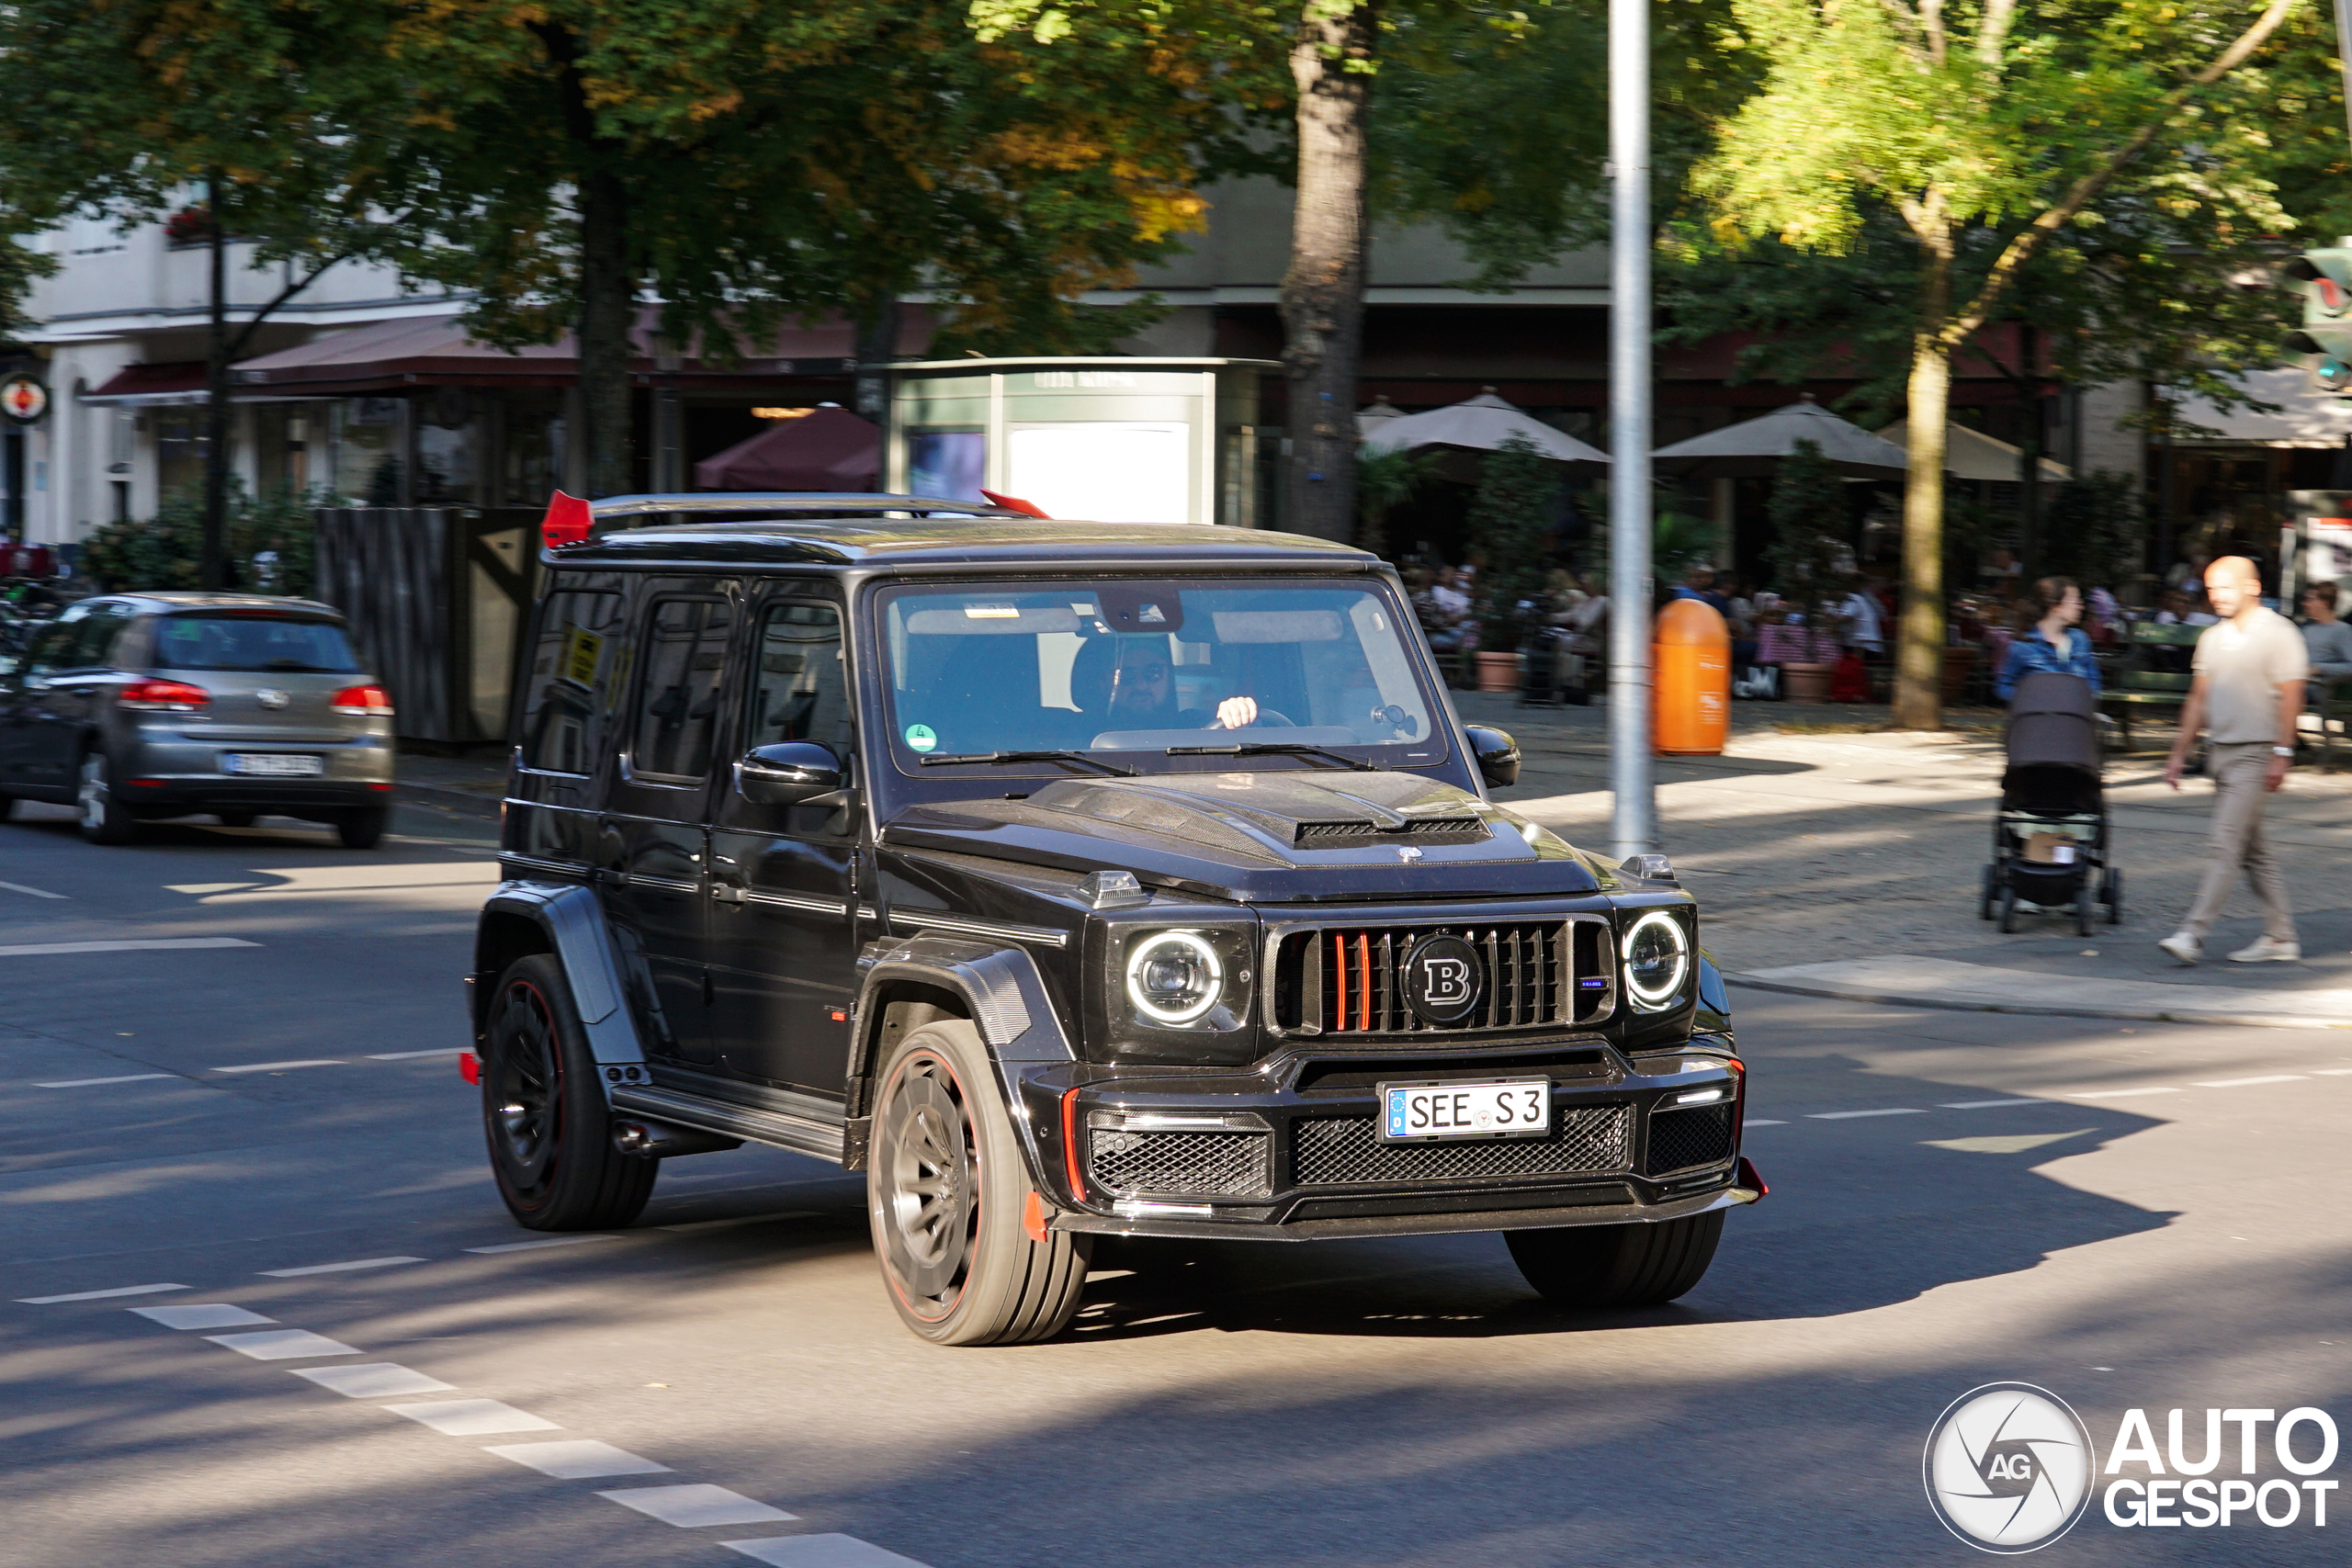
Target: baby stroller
2051	834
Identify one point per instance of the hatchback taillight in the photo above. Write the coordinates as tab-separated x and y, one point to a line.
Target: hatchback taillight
162	696
373	702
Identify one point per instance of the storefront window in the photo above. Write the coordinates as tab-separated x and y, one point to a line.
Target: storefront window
533	467
179	449
365	458
289	440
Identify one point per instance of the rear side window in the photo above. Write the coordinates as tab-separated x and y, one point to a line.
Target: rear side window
677	701
254	640
577	664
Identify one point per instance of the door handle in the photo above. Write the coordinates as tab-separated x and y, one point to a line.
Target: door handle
723	894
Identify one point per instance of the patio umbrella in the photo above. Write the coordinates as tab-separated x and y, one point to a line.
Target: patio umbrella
1755	447
828	448
1379	411
1479	425
1972	455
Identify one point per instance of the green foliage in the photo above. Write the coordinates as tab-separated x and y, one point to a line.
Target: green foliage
160	553
1385	480
2093	531
1810	558
1678	542
1511	525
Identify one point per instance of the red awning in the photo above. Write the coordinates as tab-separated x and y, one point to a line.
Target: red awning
826	449
140	386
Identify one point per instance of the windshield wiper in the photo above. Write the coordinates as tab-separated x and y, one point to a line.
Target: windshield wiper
1275	749
1034	756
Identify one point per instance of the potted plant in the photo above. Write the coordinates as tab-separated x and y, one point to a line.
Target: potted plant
1510	526
1811	566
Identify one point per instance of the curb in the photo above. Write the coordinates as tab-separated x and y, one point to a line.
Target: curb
2054	1009
448	799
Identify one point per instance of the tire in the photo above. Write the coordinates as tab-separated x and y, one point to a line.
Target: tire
235	818
2007	911
1591	1267
2113	892
550	1131
362	829
2084	906
104	819
1992	887
946	1191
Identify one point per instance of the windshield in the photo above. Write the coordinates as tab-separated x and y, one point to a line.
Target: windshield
253	640
1129	666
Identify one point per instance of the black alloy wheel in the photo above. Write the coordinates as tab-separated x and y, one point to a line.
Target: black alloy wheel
931	1178
544	1114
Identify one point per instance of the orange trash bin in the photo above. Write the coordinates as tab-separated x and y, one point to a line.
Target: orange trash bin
1692	658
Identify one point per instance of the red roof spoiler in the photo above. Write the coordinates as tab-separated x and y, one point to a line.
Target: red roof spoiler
568	521
1014	504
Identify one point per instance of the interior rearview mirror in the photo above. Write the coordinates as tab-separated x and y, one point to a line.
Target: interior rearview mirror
1496	752
787	772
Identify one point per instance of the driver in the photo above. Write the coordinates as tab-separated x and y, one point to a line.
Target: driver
1131	682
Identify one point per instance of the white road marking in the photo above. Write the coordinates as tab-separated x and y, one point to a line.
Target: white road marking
412	1055
2241	1083
2118	1093
582	1459
151	944
374	1380
282	1344
738	1220
87	1083
97	1295
207	886
1987	1104
820	1551
1850	1115
30	892
210	1314
472	1418
338	1268
547	1241
1763	1122
2333	1072
281	1066
688	1506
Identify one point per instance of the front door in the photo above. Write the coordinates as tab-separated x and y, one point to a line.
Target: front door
653	840
784	878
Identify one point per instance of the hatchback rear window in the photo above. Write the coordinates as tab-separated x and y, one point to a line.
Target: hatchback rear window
253	642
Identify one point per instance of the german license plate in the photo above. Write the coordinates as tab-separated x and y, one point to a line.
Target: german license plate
1515	1108
273	764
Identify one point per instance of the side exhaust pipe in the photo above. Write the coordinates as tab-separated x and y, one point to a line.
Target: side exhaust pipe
665	1140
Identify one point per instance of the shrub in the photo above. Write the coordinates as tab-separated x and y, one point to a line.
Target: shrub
1511	524
162	552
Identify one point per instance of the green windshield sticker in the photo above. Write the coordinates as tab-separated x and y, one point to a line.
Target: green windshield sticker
920	737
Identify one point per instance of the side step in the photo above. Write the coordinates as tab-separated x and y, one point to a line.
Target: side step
797	1133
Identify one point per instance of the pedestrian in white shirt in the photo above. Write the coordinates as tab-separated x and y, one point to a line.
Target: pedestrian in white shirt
2247	690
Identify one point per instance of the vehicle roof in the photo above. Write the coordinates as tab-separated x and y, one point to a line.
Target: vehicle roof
161	601
977	541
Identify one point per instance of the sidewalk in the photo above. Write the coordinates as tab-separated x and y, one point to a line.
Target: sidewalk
1847	864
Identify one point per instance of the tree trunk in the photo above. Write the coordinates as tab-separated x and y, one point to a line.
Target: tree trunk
1919	638
607	310
1323	292
212	549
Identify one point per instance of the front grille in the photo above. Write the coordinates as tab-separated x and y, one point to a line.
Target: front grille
1420	830
1220	1164
1347	1151
1350	979
1684	1140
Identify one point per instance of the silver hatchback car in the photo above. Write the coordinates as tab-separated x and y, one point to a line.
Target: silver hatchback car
138	705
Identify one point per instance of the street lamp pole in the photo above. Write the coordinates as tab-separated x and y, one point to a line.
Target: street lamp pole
1635	820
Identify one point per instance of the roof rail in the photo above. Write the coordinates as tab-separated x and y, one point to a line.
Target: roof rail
570	519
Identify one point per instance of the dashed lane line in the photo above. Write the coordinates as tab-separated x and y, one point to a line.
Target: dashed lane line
204	1314
282	1066
99	1295
694	1504
1989	1104
1854	1115
472	1418
89	1083
282	1345
412	1055
142	944
543	1241
2241	1083
29	892
579	1460
337	1268
2118	1093
818	1551
374	1380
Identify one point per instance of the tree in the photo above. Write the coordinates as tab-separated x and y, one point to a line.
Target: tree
1989	117
1809	558
1511	525
1385	480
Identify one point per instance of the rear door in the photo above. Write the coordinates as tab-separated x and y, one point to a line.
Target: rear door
28	746
652	841
784	878
564	736
72	694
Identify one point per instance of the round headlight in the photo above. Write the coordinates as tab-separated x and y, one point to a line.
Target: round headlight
1174	977
1657	960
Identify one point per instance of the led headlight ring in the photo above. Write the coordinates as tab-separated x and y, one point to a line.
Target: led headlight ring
1206	983
1652	997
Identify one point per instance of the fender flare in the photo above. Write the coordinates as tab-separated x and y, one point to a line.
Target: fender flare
1005	998
569	915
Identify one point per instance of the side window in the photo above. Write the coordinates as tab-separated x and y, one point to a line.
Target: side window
677	700
51	648
576	667
102	637
799	686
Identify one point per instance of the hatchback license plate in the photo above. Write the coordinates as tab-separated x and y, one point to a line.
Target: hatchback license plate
1517	1108
273	764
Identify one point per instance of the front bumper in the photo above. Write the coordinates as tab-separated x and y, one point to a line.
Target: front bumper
1290	1151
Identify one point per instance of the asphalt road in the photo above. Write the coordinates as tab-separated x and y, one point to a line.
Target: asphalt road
222	1118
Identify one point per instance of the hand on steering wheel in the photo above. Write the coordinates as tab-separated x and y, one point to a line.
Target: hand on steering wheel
1236	713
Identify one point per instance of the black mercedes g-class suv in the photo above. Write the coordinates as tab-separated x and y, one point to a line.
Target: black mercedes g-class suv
1070	879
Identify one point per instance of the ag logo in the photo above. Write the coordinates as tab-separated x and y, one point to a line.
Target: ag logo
1444	980
2008	1468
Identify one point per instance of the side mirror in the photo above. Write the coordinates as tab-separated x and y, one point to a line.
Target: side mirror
1496	752
789	773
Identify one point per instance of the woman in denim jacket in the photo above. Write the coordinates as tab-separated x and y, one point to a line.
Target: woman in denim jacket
2054	643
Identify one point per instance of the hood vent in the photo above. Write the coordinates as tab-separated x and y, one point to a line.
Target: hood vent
1418	830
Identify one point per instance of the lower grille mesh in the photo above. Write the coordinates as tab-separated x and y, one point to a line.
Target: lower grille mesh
1223	1165
1683	1140
1346	1150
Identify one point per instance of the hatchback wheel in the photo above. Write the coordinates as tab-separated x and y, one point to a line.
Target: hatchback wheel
549	1130
104	819
361	830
